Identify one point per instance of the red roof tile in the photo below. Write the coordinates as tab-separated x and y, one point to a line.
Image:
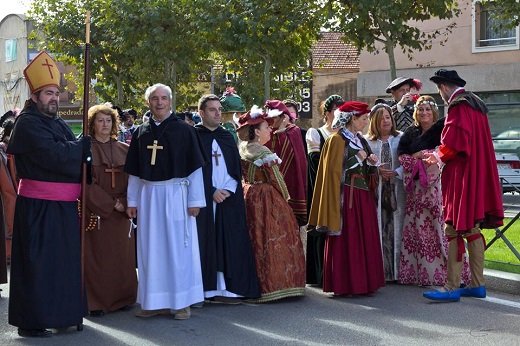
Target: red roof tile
330	52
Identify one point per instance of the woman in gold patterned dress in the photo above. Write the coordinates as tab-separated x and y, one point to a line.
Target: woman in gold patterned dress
271	223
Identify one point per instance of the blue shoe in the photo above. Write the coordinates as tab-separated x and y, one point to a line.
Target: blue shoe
475	292
443	296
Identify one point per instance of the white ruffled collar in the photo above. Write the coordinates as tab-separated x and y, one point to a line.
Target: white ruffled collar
257	154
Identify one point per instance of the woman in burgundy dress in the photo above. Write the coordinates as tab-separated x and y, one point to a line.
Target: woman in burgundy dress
344	207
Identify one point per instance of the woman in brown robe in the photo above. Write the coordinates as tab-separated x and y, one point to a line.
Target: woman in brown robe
110	274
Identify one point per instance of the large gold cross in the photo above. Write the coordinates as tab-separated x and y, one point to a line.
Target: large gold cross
154	149
113	171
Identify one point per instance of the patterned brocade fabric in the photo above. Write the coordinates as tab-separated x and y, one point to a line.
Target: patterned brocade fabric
274	233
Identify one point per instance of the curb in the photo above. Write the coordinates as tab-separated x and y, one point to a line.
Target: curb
502	281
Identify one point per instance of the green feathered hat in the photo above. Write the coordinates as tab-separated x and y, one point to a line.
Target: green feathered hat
231	102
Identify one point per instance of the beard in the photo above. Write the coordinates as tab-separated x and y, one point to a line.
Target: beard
50	108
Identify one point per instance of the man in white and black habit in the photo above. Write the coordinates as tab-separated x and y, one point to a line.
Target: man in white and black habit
228	264
166	192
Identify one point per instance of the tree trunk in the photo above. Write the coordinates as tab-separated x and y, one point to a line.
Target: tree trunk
389	47
174	87
267	77
120	94
170	75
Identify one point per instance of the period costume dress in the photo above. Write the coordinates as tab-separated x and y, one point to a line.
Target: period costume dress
391	200
347	213
228	262
165	162
315	139
423	252
7	204
287	144
110	273
272	226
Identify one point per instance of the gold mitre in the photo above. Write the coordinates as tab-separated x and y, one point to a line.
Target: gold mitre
42	72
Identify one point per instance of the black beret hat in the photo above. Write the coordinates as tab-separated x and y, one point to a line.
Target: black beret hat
398	82
452	76
7	115
131	111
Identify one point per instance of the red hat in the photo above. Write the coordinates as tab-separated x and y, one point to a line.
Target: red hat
358	108
344	113
276	108
253	117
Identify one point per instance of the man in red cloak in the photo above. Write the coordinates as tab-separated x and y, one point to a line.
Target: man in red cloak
471	191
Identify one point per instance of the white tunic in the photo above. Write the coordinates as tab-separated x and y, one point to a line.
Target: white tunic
221	181
167	242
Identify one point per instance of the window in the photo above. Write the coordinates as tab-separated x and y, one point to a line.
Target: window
10	50
490	32
504	120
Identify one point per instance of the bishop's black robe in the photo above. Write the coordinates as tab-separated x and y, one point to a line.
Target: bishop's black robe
46	290
224	244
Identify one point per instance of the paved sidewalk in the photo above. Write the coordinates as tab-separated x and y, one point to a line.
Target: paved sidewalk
502	281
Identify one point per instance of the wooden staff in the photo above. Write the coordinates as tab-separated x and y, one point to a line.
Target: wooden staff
83	226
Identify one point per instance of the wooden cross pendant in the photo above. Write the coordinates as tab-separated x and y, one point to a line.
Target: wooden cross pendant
154	149
216	155
113	171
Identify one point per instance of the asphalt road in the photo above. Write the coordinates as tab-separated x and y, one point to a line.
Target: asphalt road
396	315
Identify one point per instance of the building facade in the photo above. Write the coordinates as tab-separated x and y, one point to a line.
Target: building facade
484	54
16	51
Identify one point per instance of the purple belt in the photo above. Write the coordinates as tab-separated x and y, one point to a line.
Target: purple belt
65	192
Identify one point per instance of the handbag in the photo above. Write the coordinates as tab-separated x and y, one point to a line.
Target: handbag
372	180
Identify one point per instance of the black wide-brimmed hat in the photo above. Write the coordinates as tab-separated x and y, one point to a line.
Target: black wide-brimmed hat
398	82
451	76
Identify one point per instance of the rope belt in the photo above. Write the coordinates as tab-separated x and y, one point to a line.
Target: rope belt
184	188
185	183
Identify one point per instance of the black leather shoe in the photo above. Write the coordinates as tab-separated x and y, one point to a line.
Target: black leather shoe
96	313
34	333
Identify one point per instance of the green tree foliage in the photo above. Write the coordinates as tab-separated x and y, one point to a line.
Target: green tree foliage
137	43
256	40
134	44
507	10
371	24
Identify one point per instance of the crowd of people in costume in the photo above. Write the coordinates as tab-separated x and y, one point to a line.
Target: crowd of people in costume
236	204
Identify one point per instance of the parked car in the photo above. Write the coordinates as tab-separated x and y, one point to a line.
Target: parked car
508	171
508	141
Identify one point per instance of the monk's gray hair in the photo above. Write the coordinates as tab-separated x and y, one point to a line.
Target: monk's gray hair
156	86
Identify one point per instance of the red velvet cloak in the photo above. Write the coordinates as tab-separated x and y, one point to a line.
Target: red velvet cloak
471	191
289	147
